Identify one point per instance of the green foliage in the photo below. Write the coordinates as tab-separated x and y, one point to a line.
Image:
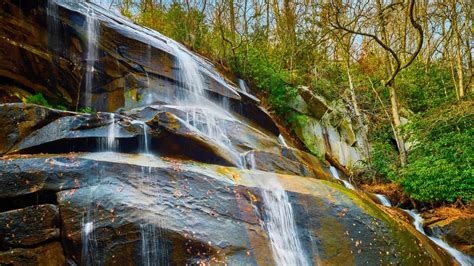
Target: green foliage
264	72
38	99
441	165
384	158
423	88
329	80
86	110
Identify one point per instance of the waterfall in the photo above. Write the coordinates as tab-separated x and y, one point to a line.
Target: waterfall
109	143
280	223
154	250
383	200
282	141
335	174
111	134
243	85
88	239
92	55
201	112
145	139
463	259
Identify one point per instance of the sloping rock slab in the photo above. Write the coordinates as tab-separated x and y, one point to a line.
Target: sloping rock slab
76	131
243	136
29	226
213	213
284	163
48	255
19	120
45	50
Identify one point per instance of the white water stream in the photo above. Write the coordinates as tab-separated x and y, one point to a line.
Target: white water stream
243	85
282	141
383	200
280	223
109	143
335	174
145	139
154	251
92	32
201	112
463	259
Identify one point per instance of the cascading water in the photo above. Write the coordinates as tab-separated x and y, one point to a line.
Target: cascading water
145	139
92	55
418	223
383	200
463	259
88	239
280	223
335	174
201	112
154	250
109	143
282	141
243	85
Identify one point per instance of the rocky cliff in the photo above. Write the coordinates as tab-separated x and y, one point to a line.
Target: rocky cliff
176	166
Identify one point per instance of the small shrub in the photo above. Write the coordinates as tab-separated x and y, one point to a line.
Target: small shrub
38	99
86	110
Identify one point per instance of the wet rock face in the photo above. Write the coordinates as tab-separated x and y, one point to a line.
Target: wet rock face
48	254
112	206
29	226
19	120
159	181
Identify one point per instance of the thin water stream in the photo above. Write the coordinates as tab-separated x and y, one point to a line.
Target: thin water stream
460	257
282	141
280	223
335	174
92	32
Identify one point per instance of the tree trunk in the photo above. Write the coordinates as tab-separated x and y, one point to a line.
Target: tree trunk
392	92
457	42
397	124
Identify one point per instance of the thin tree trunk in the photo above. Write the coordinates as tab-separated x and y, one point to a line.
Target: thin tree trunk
457	42
393	95
397	124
